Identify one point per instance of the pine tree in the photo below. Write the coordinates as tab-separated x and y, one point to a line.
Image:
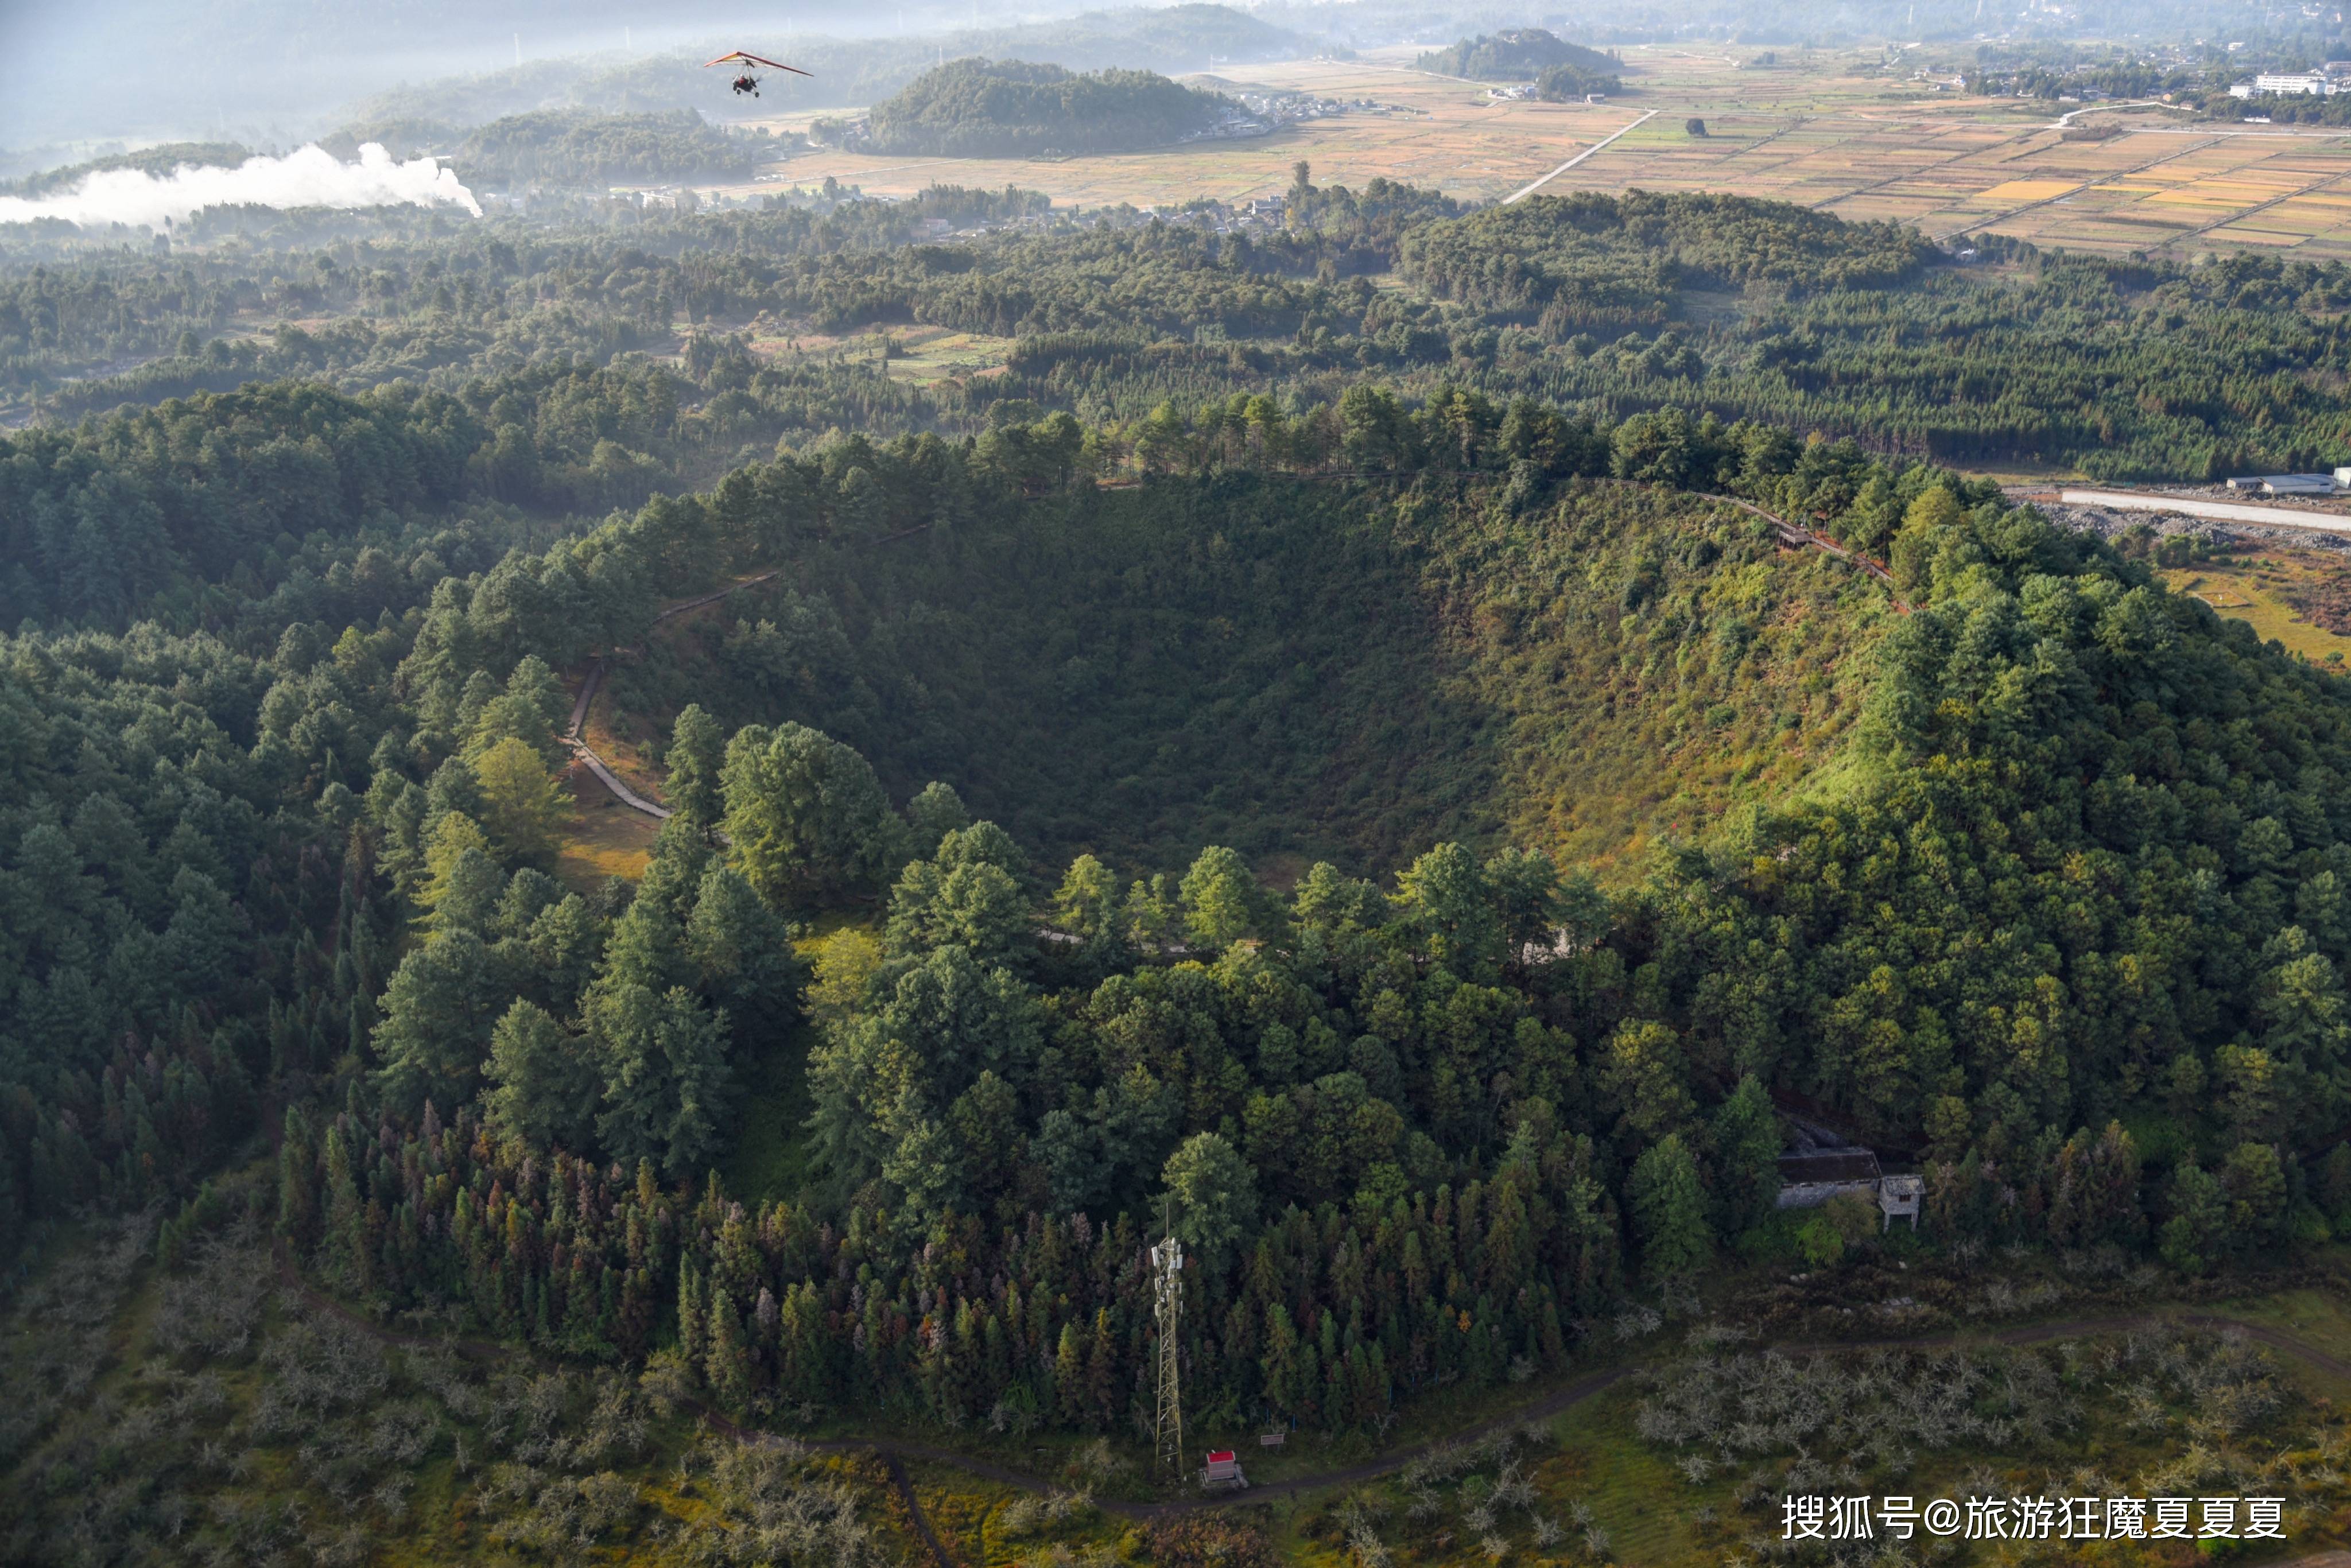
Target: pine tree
936	812
742	953
1669	1211
693	1318
524	808
1222	902
697	752
1746	1157
805	814
1101	1373
298	1189
668	1086
726	1365
439	1010
1215	1196
1448	903
1070	1377
546	1085
2198	1234
342	1255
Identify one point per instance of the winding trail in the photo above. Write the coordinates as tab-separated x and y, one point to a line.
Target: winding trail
575	733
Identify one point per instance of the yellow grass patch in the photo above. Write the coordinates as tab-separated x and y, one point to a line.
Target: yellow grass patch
2250	589
606	838
2029	190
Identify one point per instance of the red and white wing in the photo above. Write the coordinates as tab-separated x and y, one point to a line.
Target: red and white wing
739	58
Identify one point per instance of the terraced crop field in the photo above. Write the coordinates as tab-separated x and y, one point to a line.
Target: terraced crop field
1864	134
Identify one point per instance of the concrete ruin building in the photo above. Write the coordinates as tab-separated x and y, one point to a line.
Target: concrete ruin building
1820	1164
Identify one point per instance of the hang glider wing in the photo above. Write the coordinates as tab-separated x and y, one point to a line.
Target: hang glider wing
739	58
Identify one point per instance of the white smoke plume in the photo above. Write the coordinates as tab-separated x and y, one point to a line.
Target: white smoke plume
312	177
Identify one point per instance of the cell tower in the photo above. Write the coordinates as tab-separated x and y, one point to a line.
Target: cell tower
1168	1281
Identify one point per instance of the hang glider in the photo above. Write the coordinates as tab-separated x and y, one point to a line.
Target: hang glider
748	67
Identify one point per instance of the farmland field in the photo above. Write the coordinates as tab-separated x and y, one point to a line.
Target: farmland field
1851	132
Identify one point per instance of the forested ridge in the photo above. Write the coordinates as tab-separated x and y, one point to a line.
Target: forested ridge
1745	308
1416	1081
1254	762
550	147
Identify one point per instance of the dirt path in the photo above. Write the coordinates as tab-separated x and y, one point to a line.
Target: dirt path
575	734
905	1489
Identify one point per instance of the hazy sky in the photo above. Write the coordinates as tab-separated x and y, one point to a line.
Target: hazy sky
270	70
277	71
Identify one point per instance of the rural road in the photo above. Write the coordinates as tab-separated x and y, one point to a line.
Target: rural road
2307	519
1530	190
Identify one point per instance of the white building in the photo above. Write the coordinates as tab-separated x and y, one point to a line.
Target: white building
2286	484
2290	83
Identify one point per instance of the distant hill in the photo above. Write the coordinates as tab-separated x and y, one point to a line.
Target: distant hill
1517	54
1013	108
566	147
158	160
844	72
557	147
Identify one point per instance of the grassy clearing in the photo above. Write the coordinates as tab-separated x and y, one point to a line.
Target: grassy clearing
606	839
626	743
2267	592
1686	1463
2319	1318
919	355
989	1524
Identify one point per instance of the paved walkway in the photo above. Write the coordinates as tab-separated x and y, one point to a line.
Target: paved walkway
1529	190
575	733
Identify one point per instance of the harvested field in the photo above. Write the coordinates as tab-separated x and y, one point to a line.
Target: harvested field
1841	131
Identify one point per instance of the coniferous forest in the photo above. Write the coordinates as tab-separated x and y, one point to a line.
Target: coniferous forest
1329	750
